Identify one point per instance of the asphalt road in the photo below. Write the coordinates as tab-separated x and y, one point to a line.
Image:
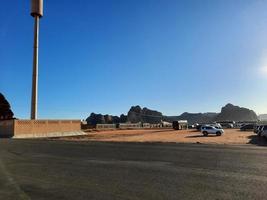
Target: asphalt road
39	169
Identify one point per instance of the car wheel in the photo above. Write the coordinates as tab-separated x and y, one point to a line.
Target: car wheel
205	133
218	133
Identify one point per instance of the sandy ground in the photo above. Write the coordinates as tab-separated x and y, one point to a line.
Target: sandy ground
231	136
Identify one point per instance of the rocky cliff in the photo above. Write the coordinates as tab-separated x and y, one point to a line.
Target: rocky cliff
228	113
5	110
137	114
94	119
236	113
145	115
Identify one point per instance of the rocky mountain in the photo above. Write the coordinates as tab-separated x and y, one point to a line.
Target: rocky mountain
5	110
236	113
228	113
137	114
94	119
145	115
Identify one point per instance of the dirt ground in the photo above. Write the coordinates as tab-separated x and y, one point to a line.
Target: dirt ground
231	136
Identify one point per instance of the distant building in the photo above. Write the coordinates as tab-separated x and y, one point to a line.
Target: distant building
180	125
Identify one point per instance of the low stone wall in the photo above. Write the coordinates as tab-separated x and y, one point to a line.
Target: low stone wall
130	125
40	128
105	126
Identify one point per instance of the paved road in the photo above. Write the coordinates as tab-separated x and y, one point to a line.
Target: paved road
39	169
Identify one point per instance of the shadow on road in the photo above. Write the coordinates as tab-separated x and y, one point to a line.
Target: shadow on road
201	135
256	140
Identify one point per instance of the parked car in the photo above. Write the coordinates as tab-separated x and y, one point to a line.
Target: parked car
256	129
229	125
262	131
259	130
198	127
216	125
206	130
191	126
247	127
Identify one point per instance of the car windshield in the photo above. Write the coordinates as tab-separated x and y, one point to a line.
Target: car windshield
133	99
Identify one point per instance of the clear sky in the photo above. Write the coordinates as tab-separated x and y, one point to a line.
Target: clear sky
104	56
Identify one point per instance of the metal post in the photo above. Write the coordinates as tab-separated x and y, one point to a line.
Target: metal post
35	69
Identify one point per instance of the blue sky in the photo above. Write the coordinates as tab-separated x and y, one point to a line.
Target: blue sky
105	55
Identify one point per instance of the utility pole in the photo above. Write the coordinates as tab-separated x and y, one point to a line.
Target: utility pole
37	13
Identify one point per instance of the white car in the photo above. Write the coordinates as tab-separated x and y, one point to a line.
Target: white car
206	130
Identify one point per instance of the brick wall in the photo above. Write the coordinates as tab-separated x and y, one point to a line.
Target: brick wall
39	128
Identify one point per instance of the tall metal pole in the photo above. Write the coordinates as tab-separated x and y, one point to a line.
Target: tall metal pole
37	13
35	69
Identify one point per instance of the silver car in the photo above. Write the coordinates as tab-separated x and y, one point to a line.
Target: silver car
206	130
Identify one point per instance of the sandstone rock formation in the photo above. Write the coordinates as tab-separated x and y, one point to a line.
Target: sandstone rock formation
94	119
236	113
123	118
5	110
137	114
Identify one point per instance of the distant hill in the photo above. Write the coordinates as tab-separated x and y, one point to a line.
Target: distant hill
193	118
145	115
5	109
